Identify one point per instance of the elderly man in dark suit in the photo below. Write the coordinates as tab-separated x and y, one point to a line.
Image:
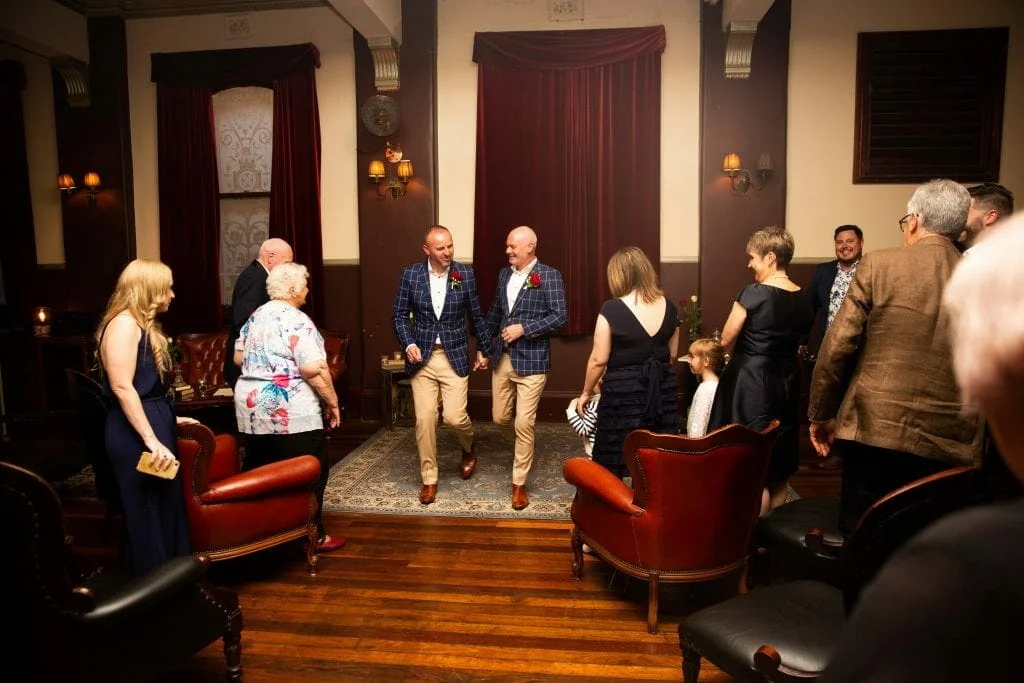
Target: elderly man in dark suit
529	305
439	293
883	385
250	293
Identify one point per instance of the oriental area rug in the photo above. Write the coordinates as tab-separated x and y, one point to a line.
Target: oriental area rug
383	475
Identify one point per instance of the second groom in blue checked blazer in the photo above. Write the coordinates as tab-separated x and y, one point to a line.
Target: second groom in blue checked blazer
528	306
440	295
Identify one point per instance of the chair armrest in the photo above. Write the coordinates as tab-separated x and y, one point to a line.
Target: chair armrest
587	475
816	542
768	661
267	479
140	594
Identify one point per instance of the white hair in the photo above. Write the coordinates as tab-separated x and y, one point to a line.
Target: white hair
941	206
286	279
984	301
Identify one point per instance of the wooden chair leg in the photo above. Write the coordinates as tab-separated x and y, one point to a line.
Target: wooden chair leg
652	603
577	553
744	577
312	557
691	665
233	647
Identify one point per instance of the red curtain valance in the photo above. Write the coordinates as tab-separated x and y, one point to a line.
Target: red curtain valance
221	69
558	50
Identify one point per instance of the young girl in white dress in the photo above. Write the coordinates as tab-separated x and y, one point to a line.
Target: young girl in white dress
707	360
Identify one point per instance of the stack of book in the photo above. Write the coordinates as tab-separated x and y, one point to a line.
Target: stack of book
183	392
393	363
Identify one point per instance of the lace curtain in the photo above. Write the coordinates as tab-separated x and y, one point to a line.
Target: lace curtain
243	126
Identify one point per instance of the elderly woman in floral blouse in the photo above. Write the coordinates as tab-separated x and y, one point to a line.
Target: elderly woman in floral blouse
283	383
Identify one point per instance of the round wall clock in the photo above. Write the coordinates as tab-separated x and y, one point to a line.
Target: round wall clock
381	115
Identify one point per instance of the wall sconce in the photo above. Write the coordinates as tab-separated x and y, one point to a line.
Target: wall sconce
732	166
92	185
41	321
393	176
91	180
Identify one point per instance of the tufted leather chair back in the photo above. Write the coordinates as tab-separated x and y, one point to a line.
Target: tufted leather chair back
202	358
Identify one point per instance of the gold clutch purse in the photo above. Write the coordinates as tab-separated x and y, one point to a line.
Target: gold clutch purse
145	465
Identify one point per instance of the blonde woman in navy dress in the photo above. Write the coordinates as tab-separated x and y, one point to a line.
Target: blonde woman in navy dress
136	366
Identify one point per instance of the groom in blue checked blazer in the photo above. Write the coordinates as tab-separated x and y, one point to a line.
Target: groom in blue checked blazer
440	294
529	305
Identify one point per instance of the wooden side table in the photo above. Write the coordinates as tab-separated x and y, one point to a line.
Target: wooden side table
392	386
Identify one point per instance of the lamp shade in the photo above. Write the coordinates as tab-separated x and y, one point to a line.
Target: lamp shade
731	163
764	163
91	179
65	182
405	169
376	169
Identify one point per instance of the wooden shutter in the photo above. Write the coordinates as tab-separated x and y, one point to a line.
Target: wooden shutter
929	105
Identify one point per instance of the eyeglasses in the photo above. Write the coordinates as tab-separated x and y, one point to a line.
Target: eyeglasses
903	221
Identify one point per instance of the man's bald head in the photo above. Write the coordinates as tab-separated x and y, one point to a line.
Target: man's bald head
274	251
521	246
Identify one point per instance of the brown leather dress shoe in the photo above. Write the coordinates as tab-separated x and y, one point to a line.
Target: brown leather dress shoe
519	498
428	493
469	461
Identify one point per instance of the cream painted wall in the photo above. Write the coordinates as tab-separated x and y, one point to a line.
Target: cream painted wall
41	146
335	82
822	78
458	20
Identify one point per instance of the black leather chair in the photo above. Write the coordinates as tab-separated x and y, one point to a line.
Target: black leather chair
787	632
108	627
801	540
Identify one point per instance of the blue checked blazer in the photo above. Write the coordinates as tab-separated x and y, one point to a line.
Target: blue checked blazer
540	310
414	295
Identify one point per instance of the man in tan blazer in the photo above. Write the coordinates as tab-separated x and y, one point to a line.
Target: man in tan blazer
883	385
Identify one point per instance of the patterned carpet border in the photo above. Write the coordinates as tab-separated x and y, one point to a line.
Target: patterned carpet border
382	476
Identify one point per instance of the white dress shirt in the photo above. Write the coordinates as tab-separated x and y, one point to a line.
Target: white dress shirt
438	290
516	282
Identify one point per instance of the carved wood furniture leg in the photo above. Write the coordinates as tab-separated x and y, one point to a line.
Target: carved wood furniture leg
652	603
577	553
691	665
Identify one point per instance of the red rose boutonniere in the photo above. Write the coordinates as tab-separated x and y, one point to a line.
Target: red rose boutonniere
455	277
532	281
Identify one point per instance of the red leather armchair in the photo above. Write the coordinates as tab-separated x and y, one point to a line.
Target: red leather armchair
689	516
233	513
202	358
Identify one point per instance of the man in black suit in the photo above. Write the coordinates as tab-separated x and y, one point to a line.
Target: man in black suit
249	294
827	291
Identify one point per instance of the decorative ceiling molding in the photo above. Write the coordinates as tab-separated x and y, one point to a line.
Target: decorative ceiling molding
385	63
738	48
76	80
143	9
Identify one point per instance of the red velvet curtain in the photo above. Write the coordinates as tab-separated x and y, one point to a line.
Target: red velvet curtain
295	178
189	207
189	230
568	138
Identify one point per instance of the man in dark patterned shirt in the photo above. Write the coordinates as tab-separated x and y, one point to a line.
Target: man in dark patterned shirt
828	290
529	305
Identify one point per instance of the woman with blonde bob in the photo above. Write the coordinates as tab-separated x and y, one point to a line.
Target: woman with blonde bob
635	339
136	367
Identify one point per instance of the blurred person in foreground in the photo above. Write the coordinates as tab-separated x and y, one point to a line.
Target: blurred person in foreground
135	364
285	388
948	605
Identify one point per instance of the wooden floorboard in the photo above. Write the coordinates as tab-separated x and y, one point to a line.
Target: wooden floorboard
441	599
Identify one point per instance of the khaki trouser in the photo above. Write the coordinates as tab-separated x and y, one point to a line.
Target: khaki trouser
436	378
508	387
